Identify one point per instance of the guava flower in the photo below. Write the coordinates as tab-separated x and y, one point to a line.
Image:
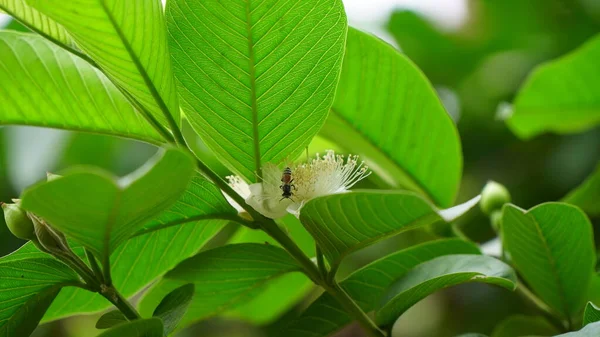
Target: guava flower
324	175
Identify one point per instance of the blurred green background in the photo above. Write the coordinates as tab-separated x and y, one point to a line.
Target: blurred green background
476	53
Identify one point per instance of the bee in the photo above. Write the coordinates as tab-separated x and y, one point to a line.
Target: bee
286	184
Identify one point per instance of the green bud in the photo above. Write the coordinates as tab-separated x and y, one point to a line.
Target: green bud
493	197
18	222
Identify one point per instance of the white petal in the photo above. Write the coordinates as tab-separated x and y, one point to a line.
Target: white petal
233	203
270	207
492	247
452	213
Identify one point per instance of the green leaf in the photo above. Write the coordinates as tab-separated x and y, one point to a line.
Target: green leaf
590	330
256	78
325	316
173	236
552	247
151	327
386	110
561	96
28	287
343	223
440	273
586	196
74	95
110	319
100	211
521	325
172	308
127	39
591	314
224	277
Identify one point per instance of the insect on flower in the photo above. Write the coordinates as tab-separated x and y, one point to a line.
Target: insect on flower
286	184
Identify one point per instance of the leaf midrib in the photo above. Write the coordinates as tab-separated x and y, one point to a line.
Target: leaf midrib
253	103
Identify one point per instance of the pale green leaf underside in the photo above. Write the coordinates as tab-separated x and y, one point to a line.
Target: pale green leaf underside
587	195
440	273
127	39
44	85
551	246
591	314
387	111
521	325
343	223
36	21
28	287
101	212
224	277
256	78
151	327
366	286
590	330
562	96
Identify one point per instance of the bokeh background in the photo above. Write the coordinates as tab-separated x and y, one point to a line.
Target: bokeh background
476	53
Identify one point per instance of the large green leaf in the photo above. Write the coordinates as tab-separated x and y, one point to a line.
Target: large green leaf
174	236
256	78
224	277
172	308
586	196
590	330
151	327
100	211
37	22
386	110
561	96
521	325
127	39
591	314
27	289
366	286
439	273
44	85
110	319
552	247
343	223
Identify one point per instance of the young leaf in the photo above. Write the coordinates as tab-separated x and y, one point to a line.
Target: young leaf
366	286
551	246
151	327
343	223
521	325
37	22
110	319
591	314
101	212
386	110
562	96
28	287
127	39
586	196
176	234
172	308
590	330
256	78
224	277
74	95
440	273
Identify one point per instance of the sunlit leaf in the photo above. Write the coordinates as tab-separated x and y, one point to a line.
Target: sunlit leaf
552	247
28	287
387	111
44	85
101	212
366	286
440	273
561	96
256	78
127	39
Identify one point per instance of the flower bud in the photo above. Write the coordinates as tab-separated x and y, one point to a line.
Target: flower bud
18	222
493	197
